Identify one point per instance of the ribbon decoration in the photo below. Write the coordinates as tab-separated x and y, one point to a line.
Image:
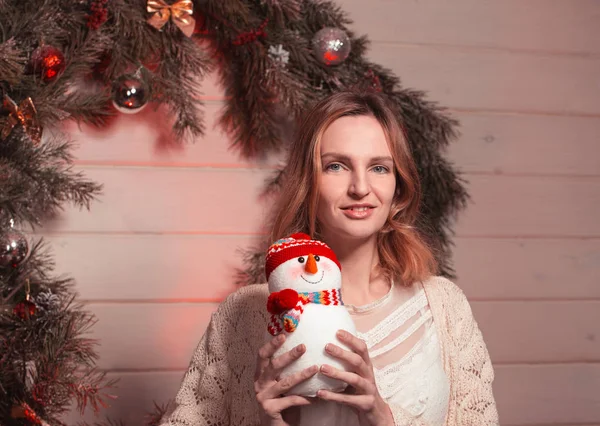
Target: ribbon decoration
374	80
24	411
23	114
251	36
179	12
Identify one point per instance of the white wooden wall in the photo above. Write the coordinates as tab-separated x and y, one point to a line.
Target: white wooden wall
156	253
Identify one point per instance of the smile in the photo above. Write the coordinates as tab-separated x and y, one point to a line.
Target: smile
315	282
358	212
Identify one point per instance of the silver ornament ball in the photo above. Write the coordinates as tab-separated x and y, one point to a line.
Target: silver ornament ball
13	248
331	46
130	93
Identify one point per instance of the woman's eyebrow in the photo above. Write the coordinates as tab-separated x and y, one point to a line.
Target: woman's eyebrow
346	158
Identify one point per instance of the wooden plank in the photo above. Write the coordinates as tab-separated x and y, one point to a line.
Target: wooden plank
531	206
149	336
526	395
539	268
145	139
157	200
163	335
534	394
136	395
518	144
210	88
170	200
150	267
464	79
496	143
191	267
554	26
528	332
496	80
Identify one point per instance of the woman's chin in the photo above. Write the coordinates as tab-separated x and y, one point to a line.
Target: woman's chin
357	233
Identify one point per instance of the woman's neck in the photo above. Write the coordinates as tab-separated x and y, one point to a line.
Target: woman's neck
361	283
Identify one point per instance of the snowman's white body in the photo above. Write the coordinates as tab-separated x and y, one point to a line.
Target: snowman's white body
317	326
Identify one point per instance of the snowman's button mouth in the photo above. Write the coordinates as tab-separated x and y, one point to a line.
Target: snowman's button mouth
314	282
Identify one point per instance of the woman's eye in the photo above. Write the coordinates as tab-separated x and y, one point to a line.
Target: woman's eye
301	259
334	167
380	169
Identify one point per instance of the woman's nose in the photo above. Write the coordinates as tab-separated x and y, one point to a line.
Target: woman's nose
359	186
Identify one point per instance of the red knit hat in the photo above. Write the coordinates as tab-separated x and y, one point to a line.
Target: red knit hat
296	245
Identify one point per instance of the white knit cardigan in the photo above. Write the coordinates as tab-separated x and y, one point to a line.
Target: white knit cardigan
217	389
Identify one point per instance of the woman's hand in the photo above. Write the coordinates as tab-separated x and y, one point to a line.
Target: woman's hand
269	390
364	396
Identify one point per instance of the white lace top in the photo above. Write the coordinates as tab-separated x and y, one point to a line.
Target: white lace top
405	351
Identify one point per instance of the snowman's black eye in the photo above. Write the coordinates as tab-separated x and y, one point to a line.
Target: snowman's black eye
301	259
317	258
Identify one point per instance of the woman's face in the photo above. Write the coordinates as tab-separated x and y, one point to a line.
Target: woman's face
357	181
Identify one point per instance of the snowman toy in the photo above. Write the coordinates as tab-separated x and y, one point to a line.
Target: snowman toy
305	303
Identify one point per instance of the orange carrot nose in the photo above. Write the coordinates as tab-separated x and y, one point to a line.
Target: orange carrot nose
311	265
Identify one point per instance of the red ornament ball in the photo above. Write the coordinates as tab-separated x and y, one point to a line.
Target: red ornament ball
282	301
25	309
48	62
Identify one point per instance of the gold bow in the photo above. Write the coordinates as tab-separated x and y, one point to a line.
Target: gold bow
23	114
179	12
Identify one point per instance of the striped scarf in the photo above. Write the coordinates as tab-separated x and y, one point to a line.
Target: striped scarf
289	319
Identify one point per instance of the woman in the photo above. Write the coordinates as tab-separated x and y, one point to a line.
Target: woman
419	358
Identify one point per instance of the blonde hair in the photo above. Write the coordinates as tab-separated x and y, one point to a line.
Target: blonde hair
403	253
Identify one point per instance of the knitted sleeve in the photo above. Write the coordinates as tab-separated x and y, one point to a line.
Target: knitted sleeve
202	398
217	388
475	402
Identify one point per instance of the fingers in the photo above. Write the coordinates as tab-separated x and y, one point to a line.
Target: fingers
277	364
357	345
360	378
287	383
272	407
356	362
287	358
362	402
359	383
273	369
266	352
